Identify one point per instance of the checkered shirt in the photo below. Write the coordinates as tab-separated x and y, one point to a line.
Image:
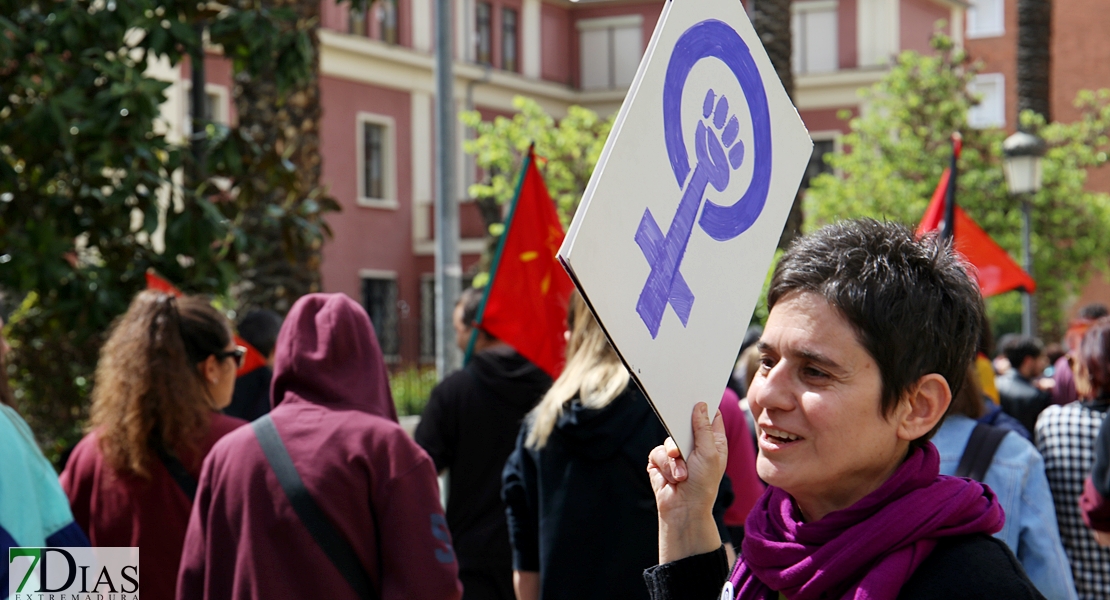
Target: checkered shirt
1066	437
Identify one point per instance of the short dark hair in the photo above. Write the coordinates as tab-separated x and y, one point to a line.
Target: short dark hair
912	303
1019	347
260	328
1094	311
470	300
1094	351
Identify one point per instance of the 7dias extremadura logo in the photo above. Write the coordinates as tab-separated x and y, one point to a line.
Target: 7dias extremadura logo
73	573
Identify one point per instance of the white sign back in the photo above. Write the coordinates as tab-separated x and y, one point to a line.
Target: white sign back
678	225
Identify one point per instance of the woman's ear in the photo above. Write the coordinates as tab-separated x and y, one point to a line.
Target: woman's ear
210	369
924	407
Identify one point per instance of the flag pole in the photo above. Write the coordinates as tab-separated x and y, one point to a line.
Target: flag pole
497	255
950	194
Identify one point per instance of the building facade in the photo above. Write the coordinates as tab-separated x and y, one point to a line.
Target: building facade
377	91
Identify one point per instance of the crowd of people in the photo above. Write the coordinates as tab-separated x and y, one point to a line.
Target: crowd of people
872	444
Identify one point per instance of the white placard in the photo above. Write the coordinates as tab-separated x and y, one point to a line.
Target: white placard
678	225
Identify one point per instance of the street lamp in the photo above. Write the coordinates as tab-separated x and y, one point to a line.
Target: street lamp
1022	164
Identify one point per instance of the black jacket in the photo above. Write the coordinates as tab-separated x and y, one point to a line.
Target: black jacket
469	427
251	398
1021	399
581	509
969	567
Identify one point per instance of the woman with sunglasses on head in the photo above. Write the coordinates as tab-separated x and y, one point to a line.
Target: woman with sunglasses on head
165	372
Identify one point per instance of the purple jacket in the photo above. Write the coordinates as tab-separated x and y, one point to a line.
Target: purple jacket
334	412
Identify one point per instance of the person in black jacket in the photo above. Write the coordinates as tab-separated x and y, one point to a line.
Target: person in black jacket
468	428
1017	388
581	513
869	332
251	398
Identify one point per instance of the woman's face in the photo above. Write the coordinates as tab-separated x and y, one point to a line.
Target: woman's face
816	399
219	376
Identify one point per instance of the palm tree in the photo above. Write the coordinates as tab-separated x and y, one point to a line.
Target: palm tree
282	261
771	19
1033	55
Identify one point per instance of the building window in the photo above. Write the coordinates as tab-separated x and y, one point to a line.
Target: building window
216	105
483	34
817	164
375	161
509	39
610	49
986	18
379	298
385	11
356	22
813	29
990	88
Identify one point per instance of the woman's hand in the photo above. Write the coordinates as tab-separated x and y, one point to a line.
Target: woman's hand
686	489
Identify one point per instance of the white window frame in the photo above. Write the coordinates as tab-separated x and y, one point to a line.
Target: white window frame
974	31
1000	81
389	162
384	275
610	24
807	6
222	105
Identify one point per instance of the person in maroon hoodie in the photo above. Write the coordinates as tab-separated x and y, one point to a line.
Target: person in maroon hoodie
371	484
167	369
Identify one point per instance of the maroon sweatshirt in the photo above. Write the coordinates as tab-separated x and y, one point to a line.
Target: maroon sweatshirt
335	415
125	510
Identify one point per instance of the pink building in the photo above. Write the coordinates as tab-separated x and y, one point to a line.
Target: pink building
377	131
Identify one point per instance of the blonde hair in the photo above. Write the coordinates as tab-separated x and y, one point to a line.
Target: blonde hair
594	374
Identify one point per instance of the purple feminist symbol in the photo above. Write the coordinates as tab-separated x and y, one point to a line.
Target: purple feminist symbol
718	150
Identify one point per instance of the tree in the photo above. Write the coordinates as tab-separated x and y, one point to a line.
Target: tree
772	22
279	116
88	200
897	150
566	152
1034	56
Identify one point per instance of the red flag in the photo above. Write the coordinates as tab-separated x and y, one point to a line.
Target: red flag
155	281
253	358
526	301
997	272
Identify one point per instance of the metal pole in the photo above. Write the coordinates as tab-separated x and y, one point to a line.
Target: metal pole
448	267
1027	325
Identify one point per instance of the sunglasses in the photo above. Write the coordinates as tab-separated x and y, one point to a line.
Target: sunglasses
239	353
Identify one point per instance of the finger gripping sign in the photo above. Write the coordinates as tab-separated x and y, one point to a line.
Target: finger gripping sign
671	243
717	154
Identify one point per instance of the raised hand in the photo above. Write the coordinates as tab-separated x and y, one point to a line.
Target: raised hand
685	489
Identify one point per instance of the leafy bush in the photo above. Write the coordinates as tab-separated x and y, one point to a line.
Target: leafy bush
411	389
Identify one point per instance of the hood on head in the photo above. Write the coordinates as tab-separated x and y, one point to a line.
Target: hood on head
327	353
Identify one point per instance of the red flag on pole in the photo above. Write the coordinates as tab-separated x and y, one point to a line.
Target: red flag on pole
997	272
526	299
253	358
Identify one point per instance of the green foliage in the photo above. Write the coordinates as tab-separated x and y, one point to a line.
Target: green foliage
896	151
411	389
88	201
566	151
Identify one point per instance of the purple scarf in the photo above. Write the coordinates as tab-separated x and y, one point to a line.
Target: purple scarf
868	550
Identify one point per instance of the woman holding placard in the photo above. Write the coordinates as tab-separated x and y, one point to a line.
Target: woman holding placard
869	332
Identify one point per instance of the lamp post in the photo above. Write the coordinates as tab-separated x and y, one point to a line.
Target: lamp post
1022	165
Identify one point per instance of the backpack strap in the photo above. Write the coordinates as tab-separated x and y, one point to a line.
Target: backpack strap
979	453
177	471
334	545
